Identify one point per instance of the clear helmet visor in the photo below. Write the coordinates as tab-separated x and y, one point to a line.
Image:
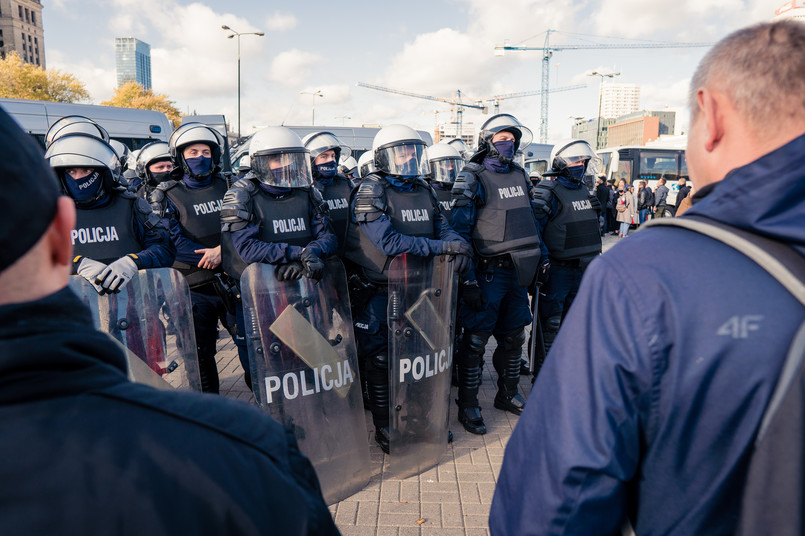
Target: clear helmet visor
404	160
445	170
282	169
578	154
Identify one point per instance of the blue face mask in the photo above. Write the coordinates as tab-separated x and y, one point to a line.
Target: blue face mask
505	149
85	188
200	165
327	170
577	172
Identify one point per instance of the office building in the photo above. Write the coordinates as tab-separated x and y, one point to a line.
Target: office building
619	99
133	61
21	30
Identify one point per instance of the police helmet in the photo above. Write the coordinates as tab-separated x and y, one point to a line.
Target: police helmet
462	148
131	162
244	164
366	164
570	152
156	151
399	151
191	133
122	151
279	158
85	151
318	142
502	123
444	162
348	165
74	124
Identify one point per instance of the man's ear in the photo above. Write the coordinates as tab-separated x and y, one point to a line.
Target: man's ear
60	230
711	106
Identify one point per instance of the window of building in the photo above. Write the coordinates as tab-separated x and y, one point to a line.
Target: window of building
23	48
27	15
29	38
37	60
20	12
36	41
33	18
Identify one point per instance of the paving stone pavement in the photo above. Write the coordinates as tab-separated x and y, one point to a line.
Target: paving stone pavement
453	498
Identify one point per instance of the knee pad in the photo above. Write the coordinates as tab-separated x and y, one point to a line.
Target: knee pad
513	340
476	341
379	362
553	323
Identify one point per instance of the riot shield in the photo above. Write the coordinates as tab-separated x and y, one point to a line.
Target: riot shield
153	318
421	312
305	370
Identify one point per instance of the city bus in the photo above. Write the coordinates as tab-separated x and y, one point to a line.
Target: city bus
635	163
129	126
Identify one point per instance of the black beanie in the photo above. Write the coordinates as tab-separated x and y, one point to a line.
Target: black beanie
28	192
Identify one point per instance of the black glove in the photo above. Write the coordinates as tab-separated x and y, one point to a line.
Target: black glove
543	271
313	265
462	263
473	296
456	247
290	271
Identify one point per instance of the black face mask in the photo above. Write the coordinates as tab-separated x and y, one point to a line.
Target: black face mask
158	177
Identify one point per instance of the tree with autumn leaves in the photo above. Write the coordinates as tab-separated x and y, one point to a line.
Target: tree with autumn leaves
21	80
133	95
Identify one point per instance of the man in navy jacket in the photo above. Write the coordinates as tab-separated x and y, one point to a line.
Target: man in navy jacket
84	450
649	409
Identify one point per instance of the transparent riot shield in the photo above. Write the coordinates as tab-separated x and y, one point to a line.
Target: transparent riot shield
305	369
421	312
153	318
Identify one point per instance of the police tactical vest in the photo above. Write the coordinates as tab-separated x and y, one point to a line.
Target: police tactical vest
284	220
336	195
107	233
200	211
506	222
444	197
573	231
411	213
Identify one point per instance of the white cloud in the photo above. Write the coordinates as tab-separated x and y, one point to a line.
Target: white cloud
99	80
292	67
280	22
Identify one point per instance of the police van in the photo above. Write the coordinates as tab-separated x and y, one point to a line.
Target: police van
535	159
636	163
358	139
130	126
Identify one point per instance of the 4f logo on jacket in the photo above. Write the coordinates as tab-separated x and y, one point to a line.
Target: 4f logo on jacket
511	191
90	235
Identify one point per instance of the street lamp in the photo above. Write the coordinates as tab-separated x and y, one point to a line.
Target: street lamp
230	36
315	94
600	93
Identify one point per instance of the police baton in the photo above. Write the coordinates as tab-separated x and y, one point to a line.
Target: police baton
536	336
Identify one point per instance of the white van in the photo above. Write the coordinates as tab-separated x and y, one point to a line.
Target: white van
130	126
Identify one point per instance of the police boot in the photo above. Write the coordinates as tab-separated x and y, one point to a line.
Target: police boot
469	381
208	369
377	384
507	364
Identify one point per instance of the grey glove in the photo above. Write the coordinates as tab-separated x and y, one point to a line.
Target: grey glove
117	275
461	263
456	247
89	270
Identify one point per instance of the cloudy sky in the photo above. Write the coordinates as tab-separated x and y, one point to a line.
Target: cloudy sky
432	47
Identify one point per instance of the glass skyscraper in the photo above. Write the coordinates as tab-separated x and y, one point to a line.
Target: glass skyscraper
133	61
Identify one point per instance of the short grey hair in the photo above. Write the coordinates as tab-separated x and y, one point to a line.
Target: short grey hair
762	69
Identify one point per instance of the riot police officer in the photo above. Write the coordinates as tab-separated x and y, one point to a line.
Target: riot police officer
75	124
325	152
462	148
492	208
153	166
444	163
570	221
274	215
348	166
382	227
366	166
116	233
191	201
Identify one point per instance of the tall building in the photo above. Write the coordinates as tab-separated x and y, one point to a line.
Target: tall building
133	61
449	131
21	30
619	99
586	129
640	128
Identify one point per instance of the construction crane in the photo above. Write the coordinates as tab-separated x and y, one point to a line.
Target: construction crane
548	50
495	99
454	101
